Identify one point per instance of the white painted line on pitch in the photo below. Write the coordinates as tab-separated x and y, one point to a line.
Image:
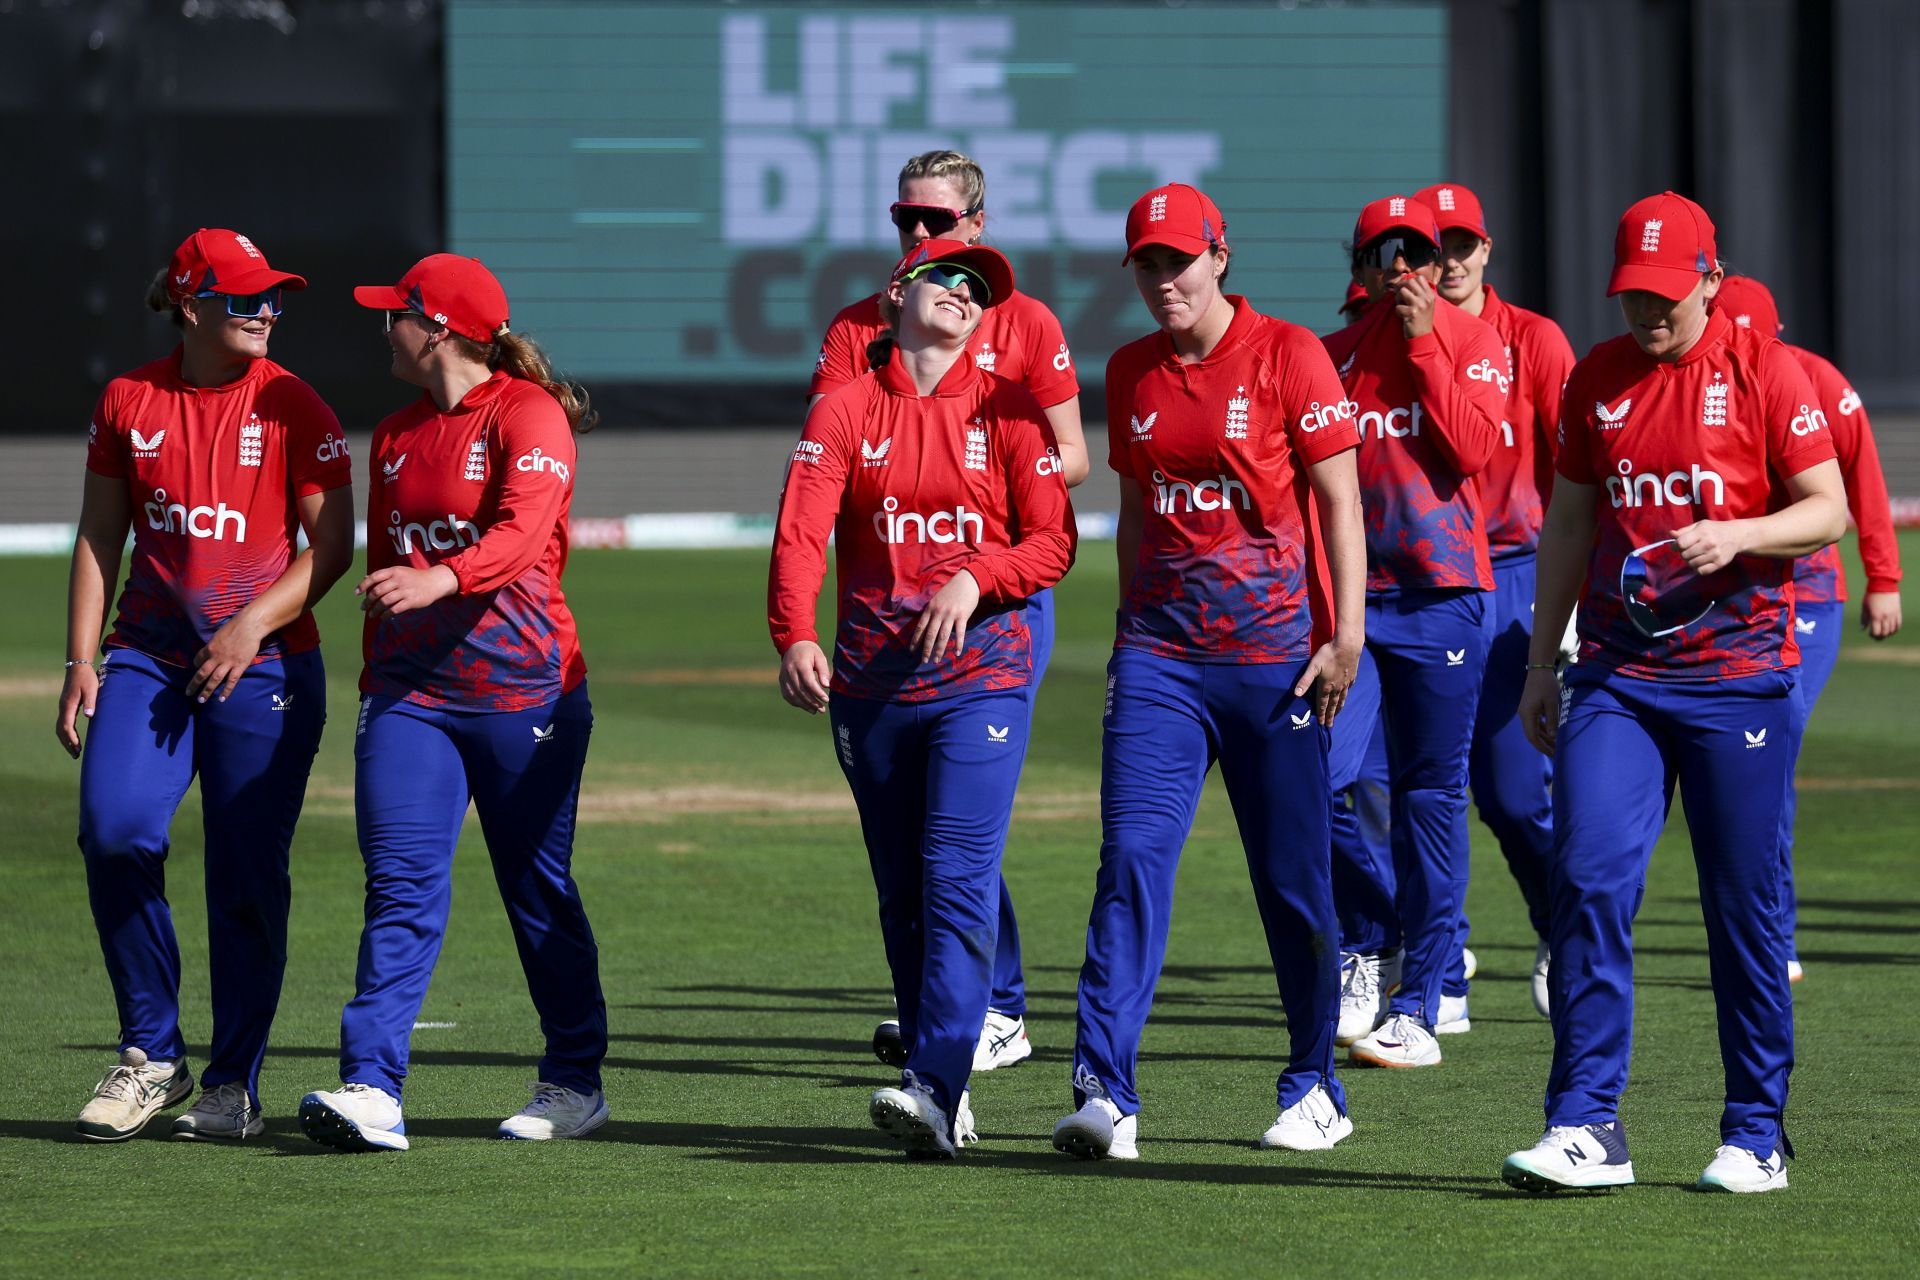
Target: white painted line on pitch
435	1026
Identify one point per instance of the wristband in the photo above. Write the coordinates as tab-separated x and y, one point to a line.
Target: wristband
78	662
1543	666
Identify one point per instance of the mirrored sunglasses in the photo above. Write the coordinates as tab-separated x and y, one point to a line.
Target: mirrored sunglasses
1417	250
245	306
936	218
950	276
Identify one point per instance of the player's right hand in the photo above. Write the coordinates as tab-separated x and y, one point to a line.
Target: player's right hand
1540	710
76	699
804	673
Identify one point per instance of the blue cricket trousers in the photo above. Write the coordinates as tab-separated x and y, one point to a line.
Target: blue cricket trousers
1511	782
1009	978
1818	628
1363	879
415	769
146	742
934	782
1431	650
1166	723
1623	744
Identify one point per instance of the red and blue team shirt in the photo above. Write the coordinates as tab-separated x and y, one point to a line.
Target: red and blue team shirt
1818	578
914	489
1518	479
1229	569
214	477
1429	412
1019	339
484	488
1708	437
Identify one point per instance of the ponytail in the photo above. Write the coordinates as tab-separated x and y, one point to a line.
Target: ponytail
159	299
880	350
521	357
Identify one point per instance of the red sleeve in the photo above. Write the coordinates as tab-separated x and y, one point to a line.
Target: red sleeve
1051	375
809	505
1549	361
317	457
838	362
1866	484
1037	499
1570	454
1319	422
1120	384
529	497
106	442
1797	434
1463	411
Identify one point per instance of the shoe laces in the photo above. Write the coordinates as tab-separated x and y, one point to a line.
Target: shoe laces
224	1099
1364	983
121	1084
549	1097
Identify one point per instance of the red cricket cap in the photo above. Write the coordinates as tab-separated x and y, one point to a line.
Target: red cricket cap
1454	207
1746	301
215	260
1664	245
448	289
1178	216
1356	294
1395	213
988	263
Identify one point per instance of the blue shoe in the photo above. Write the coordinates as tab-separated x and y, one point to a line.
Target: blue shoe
1572	1158
355	1117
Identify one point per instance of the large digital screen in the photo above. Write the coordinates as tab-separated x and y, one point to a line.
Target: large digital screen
687	193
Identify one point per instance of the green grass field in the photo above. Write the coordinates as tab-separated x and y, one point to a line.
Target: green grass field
721	865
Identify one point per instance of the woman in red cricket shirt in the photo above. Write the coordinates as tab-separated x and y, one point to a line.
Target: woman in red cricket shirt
949	512
474	687
214	456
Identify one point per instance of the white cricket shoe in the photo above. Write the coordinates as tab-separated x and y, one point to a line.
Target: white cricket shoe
908	1114
1311	1124
1570	1158
1359	997
1003	1042
1453	1019
1469	962
1738	1169
224	1113
1401	1041
964	1132
1795	971
131	1094
354	1117
1542	993
555	1111
887	1044
1097	1131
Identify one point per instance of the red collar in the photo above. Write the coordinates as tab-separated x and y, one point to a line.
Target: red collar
957	380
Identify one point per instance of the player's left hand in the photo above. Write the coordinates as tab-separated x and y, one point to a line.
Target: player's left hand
945	618
1880	613
399	589
1330	675
218	666
1709	546
1414	301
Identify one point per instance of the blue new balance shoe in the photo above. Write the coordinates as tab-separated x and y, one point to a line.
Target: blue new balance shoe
1570	1159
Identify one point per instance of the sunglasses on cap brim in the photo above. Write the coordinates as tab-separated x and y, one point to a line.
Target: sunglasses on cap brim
245	306
936	218
949	275
1417	250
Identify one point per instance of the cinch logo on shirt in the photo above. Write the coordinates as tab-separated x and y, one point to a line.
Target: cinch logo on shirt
1808	421
1216	494
1326	415
538	461
438	535
958	525
195	522
1485	372
1675	489
1849	402
334	448
1062	359
1382	423
1048	464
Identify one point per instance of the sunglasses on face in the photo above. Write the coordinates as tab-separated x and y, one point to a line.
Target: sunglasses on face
245	306
936	218
395	317
1417	250
949	276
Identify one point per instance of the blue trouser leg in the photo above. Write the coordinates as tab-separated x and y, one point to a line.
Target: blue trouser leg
137	764
935	782
526	788
1431	650
1009	978
254	752
1273	760
410	795
1623	744
1818	628
1511	782
1363	881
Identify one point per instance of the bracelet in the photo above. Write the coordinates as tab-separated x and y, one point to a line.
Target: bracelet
1543	666
78	662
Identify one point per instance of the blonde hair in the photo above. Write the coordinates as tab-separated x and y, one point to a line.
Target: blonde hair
159	299
956	167
521	357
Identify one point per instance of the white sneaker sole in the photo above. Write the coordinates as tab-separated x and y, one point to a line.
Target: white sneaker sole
331	1128
1458	1027
1522	1176
1311	1139
906	1126
1361	1056
585	1127
1085	1142
102	1133
184	1130
1771	1184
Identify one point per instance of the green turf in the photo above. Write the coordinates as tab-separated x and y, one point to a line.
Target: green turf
743	970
